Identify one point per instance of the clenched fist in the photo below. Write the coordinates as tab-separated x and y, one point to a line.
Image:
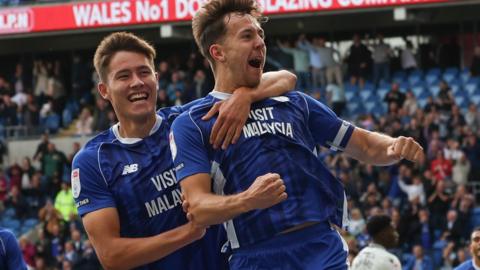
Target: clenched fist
406	148
266	191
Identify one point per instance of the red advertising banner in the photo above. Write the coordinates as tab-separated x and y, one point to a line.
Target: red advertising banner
87	15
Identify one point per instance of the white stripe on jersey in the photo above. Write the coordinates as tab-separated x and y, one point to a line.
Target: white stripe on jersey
340	134
218	185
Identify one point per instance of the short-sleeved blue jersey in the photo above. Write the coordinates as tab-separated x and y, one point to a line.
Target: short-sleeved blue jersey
280	136
467	265
137	177
11	257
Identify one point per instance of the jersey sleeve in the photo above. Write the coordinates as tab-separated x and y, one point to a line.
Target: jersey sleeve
327	129
13	253
89	186
170	113
188	148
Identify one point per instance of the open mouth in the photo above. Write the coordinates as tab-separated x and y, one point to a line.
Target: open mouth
138	96
255	62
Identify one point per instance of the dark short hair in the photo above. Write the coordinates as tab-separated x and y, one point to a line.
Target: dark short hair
378	223
116	42
208	24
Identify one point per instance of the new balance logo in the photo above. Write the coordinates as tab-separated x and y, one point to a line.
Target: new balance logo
130	169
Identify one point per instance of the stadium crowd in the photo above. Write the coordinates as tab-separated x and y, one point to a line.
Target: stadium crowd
431	204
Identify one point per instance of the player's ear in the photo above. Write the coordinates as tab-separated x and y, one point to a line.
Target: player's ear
216	51
103	91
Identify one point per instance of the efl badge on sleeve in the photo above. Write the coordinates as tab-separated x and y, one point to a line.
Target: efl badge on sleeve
76	187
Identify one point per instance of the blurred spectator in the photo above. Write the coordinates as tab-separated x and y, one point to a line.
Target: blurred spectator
381	61
176	87
475	66
357	222
336	98
49	216
439	202
40	77
418	261
422	230
472	117
28	251
395	96
453	228
415	190
410	105
409	63
358	60
301	63
461	170
27	171
53	162
472	151
42	147
16	201
317	67
441	167
8	111
64	202
100	115
84	123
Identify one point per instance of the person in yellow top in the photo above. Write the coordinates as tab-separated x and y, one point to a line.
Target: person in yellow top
65	203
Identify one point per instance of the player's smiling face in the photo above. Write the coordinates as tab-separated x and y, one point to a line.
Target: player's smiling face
244	49
131	86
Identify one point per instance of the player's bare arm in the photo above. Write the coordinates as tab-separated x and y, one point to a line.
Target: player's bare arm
233	113
379	149
205	208
116	252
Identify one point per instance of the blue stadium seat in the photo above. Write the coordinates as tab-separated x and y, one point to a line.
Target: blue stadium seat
415	78
434	90
471	85
381	92
351	96
465	75
418	90
450	74
422	102
365	94
399	76
475	99
455	86
433	76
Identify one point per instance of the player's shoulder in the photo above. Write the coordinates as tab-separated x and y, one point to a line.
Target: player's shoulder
89	151
467	265
196	112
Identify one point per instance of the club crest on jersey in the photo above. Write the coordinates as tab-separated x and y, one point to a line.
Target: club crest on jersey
76	187
173	146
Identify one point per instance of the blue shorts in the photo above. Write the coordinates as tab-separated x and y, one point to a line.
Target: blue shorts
316	247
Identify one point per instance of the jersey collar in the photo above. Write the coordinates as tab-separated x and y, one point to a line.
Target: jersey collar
220	95
156	126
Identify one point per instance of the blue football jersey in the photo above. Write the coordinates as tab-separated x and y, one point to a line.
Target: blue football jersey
137	177
467	265
11	257
280	136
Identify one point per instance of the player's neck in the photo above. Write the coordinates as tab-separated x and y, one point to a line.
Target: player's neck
136	129
225	82
476	261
